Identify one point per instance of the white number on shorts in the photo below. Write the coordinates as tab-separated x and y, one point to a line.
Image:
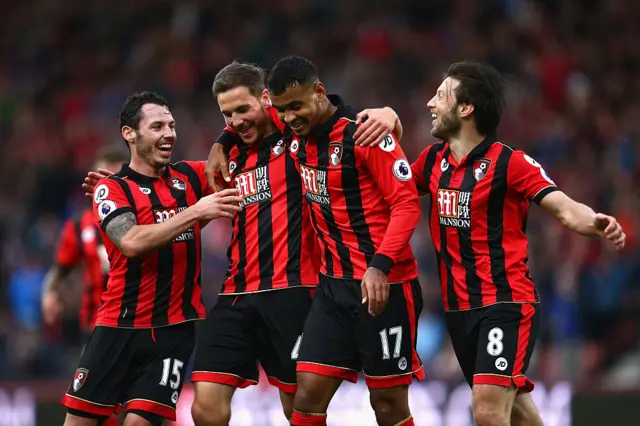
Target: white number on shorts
296	348
385	342
495	346
177	366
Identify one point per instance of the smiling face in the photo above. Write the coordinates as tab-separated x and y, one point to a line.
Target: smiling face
444	110
300	107
244	113
156	134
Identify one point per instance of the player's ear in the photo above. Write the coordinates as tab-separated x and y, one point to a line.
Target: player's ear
128	134
320	90
266	99
465	110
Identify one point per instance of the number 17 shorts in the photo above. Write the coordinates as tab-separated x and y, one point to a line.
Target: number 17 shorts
341	339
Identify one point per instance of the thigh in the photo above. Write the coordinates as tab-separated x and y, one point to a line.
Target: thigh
282	315
506	339
225	352
99	382
157	381
387	342
464	339
328	346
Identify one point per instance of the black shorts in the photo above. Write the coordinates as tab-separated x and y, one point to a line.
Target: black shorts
494	344
341	339
242	330
142	369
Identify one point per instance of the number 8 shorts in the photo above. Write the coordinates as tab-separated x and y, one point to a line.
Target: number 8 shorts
140	369
494	344
341	339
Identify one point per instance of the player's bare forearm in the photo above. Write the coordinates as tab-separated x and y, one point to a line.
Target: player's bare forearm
55	276
577	217
134	240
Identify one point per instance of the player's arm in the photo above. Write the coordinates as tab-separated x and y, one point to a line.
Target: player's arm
374	124
393	175
118	220
529	178
218	162
581	218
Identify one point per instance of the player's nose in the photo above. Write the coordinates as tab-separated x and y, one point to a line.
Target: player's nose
289	117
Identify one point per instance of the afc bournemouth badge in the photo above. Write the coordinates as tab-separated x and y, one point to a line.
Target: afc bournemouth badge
278	148
177	184
79	378
335	153
480	168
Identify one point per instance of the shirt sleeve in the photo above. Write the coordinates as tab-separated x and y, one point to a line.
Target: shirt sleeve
199	167
529	178
109	202
417	170
393	176
69	252
228	138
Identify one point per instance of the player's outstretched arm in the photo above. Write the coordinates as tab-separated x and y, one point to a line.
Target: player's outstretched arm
134	240
581	218
378	124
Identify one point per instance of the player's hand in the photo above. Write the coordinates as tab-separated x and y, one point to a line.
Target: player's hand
51	307
217	162
609	228
375	290
220	204
92	180
380	122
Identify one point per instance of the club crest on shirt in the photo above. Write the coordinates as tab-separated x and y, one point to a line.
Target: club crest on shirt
335	153
480	168
79	378
177	184
278	148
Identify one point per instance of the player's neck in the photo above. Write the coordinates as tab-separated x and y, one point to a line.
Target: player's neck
463	143
137	165
269	129
328	112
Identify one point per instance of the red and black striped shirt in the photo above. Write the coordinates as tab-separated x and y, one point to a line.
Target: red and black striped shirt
81	244
163	287
478	219
364	206
273	245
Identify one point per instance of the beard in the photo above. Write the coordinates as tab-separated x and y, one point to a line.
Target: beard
146	150
447	126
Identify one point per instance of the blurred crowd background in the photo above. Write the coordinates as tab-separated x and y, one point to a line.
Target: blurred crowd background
573	104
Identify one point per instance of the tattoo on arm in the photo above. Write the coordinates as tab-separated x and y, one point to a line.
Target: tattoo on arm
119	226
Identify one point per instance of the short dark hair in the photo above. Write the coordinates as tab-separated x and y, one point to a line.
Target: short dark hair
239	74
113	154
291	71
482	86
131	111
